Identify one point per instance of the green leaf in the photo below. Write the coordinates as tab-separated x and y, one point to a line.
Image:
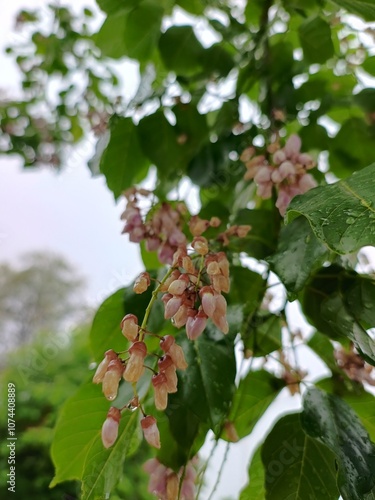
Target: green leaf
215	59
363	404
262	335
208	382
149	259
159	142
110	38
254	395
191	127
342	321
325	305
341	214
297	467
112	6
369	64
352	148
316	41
77	451
298	254
103	468
181	51
324	349
123	162
255	490
105	331
142	30
261	240
328	419
363	8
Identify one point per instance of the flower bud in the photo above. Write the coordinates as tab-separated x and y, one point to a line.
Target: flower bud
151	431
197	225
168	345
213	268
208	300
159	382
200	245
215	222
167	367
112	378
195	324
172	306
134	367
220	283
178	286
243	230
142	283
173	485
221	322
129	327
174	276
102	367
181	316
223	263
152	244
188	265
110	427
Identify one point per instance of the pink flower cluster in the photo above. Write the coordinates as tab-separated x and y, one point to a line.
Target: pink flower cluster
286	172
161	229
194	294
165	483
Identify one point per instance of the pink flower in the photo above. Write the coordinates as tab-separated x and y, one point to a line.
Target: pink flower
110	427
151	431
292	146
134	367
129	327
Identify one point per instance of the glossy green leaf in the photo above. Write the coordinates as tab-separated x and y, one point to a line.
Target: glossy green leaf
180	50
191	127
254	395
261	240
103	468
123	162
323	347
111	6
325	305
133	31
352	148
208	382
362	8
262	335
316	40
342	215
142	29
110	45
255	489
159	141
369	65
363	403
105	331
299	252
297	466
342	321
328	419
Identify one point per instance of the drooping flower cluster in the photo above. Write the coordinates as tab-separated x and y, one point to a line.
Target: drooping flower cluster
165	483
113	368
162	228
194	294
192	291
286	171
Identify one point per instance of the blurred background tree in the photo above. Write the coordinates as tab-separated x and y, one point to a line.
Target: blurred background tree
42	293
62	363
